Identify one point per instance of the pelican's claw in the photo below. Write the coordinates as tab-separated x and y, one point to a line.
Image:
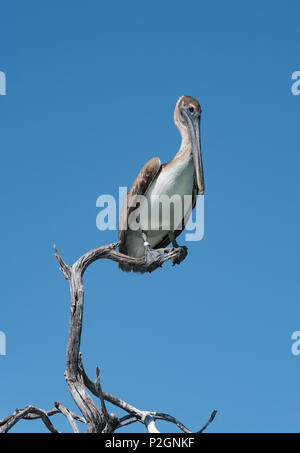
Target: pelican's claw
154	258
181	255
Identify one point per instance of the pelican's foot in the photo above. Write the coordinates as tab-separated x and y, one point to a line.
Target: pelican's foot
154	258
181	255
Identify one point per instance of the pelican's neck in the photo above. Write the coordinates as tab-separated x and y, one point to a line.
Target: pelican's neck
185	150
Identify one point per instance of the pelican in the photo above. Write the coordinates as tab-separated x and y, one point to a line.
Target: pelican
182	176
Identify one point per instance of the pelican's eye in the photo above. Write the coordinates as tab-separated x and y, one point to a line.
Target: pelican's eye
191	109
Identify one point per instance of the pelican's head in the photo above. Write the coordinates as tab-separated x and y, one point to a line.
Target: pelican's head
187	119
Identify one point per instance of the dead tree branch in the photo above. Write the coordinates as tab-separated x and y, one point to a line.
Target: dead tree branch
68	414
33	413
97	419
25	413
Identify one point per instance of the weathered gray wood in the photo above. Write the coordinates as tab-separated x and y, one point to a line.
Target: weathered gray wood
93	416
68	414
19	414
97	420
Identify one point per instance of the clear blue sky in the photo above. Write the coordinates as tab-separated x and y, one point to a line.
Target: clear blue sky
91	88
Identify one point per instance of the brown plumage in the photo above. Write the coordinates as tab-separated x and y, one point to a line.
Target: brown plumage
139	187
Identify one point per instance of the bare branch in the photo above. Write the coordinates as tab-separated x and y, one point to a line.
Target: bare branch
132	411
65	269
68	414
23	413
36	416
127	420
93	416
99	391
97	420
149	422
169	418
53	412
109	252
213	414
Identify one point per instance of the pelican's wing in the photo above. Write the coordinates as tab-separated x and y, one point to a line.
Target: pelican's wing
139	187
166	240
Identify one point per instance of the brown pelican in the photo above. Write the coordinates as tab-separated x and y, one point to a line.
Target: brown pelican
182	176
